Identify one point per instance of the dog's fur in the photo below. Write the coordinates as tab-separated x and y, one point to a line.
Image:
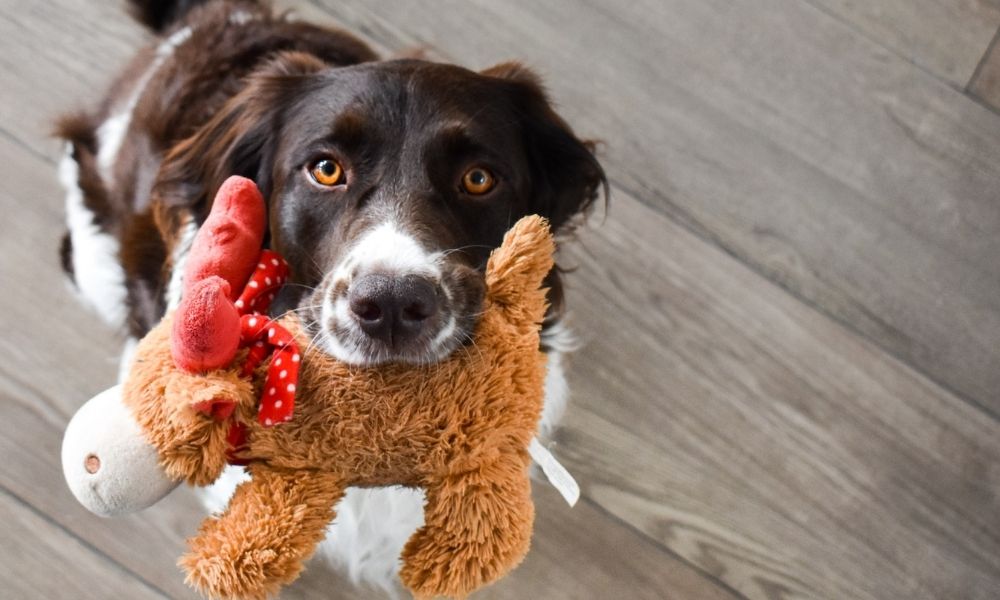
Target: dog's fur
232	89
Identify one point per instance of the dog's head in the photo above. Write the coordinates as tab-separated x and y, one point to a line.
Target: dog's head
388	184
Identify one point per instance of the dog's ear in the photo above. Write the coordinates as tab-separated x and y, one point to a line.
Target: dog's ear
566	176
240	139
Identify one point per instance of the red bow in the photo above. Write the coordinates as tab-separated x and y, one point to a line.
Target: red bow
264	337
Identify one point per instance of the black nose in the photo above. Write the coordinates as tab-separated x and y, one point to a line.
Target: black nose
393	309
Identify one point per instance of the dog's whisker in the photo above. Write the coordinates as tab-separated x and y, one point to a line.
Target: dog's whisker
308	288
299	310
441	255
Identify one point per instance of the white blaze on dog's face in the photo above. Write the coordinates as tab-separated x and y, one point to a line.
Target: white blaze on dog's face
387	300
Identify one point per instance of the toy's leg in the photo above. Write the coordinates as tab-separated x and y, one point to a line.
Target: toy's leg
272	525
477	527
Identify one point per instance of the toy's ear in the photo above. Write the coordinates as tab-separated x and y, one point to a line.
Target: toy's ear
516	270
239	139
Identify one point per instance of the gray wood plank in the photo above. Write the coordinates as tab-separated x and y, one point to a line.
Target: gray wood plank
40	560
580	552
854	179
762	441
61	55
986	83
946	37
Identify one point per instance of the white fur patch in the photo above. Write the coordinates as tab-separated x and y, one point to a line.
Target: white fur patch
110	137
169	45
330	342
241	17
179	257
369	532
125	362
559	340
558	337
97	269
556	395
387	249
112	132
216	496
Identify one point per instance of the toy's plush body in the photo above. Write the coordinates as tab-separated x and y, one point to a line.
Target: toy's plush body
459	428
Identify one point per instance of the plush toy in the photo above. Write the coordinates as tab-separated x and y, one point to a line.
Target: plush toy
219	382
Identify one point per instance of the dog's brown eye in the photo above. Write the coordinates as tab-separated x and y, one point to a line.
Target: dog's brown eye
477	181
327	172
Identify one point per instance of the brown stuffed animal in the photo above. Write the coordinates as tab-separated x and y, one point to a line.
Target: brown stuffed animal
460	429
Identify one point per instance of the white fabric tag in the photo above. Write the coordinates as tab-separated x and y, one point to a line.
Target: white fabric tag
557	474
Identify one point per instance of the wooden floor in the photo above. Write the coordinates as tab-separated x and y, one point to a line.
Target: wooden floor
789	385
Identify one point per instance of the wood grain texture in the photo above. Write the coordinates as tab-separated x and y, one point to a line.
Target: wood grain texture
946	37
58	54
986	83
40	560
855	180
762	441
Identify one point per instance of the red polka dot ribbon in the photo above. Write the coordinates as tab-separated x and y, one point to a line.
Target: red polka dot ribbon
264	336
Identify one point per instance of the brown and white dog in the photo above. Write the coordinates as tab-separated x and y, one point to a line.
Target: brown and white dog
388	182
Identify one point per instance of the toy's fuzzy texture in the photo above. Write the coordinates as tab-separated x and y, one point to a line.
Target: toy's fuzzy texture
459	428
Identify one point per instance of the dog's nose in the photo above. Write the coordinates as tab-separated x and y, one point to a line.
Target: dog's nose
393	309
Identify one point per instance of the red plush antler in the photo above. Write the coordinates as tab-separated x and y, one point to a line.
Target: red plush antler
229	283
206	329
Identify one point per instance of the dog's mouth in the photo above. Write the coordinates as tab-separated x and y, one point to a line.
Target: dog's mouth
390	300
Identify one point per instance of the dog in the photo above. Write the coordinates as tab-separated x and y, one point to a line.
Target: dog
387	182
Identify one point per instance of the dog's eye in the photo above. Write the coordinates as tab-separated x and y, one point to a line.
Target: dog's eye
477	181
327	172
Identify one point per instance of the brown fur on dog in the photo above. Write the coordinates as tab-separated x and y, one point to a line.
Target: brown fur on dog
459	428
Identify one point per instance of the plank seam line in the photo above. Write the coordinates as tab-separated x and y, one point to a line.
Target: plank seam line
83	541
983	103
664	548
17	141
982	63
897	53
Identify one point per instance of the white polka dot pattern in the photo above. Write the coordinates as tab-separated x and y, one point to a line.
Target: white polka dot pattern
265	337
